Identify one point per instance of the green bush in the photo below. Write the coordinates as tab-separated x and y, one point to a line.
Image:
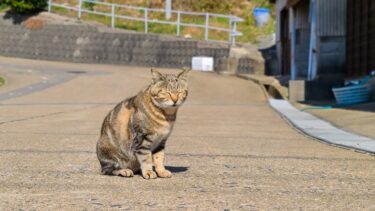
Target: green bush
89	5
26	6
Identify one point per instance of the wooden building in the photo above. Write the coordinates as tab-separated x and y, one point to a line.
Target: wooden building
310	37
323	42
360	57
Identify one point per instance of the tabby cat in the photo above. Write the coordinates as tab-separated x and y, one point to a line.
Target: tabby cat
135	131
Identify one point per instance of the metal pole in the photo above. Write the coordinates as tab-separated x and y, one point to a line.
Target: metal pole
113	16
206	27
146	21
79	9
233	33
178	22
230	30
49	5
168	9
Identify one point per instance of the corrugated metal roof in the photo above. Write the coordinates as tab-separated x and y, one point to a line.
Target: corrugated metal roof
331	17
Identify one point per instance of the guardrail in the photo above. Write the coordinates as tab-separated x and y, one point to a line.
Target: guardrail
113	14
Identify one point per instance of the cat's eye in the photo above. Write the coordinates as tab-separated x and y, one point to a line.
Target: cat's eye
163	94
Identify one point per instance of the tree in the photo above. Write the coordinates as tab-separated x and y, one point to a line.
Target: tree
26	6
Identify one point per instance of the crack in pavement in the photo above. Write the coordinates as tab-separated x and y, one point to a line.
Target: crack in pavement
59	79
46	115
59	76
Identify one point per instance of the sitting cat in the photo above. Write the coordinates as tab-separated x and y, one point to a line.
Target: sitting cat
135	131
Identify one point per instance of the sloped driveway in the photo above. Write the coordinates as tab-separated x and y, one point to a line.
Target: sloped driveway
229	149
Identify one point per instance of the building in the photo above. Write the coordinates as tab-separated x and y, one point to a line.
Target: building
321	42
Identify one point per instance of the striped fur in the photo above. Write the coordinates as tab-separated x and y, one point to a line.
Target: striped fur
135	131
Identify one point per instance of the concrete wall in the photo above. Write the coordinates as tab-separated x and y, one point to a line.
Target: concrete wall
94	44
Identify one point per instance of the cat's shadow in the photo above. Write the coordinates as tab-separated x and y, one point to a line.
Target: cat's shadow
177	169
173	169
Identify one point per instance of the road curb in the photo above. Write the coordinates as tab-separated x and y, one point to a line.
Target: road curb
315	127
320	129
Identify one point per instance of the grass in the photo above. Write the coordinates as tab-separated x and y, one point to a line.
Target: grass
251	33
3	7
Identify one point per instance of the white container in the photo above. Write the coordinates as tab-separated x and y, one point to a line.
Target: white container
202	63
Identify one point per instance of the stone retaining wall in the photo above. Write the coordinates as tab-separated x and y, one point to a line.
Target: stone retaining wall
86	43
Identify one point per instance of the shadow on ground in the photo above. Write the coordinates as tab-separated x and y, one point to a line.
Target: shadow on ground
18	18
177	169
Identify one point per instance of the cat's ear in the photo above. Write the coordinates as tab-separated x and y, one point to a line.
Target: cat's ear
183	75
156	76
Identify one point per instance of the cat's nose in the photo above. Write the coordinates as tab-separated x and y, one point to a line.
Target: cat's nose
174	98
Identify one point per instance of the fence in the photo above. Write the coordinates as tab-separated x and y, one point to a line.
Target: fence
80	9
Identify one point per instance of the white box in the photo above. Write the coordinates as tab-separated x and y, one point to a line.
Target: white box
202	63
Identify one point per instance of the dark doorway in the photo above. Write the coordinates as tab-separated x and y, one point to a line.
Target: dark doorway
285	43
360	42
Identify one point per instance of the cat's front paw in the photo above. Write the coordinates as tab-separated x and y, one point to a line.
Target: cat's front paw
149	174
164	173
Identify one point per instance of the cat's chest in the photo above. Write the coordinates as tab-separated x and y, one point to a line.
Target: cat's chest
160	135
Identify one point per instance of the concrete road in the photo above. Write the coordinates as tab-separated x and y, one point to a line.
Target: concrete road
229	149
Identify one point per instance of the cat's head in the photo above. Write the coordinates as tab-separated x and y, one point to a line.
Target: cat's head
169	90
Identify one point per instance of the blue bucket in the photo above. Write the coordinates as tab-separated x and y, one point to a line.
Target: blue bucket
262	16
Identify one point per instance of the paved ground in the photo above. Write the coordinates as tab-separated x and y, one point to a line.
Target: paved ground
229	150
322	130
358	118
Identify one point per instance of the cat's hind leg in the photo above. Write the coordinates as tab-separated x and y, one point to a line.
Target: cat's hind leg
112	163
123	172
110	167
109	162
